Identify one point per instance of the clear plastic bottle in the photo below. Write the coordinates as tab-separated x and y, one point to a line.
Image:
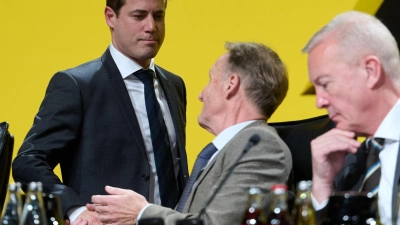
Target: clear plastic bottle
13	208
254	214
53	211
34	212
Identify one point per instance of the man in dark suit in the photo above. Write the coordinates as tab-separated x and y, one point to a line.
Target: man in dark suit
355	68
246	86
95	121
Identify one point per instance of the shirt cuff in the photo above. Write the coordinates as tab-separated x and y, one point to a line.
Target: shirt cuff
317	206
141	212
75	212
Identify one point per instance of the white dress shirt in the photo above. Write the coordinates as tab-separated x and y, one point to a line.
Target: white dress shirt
135	89
390	130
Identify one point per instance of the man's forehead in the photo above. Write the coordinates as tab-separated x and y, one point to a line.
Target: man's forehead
221	60
323	55
146	3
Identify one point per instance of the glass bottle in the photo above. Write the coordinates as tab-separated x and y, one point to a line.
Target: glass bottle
33	212
303	211
254	214
53	209
13	207
278	213
351	208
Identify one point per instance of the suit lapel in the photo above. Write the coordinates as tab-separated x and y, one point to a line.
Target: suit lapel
122	96
169	94
210	166
199	180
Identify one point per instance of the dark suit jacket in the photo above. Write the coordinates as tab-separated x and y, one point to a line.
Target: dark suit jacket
265	164
351	176
87	123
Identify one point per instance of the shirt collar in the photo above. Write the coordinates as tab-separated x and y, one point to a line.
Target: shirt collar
226	135
127	66
387	129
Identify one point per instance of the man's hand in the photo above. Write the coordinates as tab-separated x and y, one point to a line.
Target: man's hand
328	154
78	221
87	218
121	207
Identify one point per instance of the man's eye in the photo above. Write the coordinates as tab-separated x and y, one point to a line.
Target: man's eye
159	17
138	17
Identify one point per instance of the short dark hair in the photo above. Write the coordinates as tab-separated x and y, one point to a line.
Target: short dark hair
262	72
116	5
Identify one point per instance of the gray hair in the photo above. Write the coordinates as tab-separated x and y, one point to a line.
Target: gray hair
357	35
262	73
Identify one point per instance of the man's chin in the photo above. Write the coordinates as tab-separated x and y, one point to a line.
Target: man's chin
146	51
342	126
149	54
200	121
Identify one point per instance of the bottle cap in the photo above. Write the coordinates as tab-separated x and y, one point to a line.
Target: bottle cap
304	185
254	190
13	187
279	188
35	186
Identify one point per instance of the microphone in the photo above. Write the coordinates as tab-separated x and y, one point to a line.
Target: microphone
254	139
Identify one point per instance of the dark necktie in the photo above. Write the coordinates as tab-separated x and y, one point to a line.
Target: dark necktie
198	167
373	165
159	136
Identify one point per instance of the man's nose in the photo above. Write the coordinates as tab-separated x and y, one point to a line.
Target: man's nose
150	23
200	97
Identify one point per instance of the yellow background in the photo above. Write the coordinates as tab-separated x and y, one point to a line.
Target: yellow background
38	38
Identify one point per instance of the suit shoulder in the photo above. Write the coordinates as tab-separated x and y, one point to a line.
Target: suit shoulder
85	69
81	74
261	128
268	135
270	148
169	74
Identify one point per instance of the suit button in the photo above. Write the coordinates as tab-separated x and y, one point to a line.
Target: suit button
145	177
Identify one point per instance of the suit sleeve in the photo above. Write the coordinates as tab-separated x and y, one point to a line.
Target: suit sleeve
52	139
264	165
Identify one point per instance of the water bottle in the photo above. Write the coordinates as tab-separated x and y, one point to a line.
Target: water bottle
13	207
33	212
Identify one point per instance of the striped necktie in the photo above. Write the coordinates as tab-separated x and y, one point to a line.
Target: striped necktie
373	165
160	139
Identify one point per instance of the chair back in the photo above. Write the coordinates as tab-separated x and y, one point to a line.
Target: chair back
298	135
6	152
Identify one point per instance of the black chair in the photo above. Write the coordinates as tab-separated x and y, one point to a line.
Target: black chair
297	135
6	152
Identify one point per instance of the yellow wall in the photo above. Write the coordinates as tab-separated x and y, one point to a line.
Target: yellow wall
38	38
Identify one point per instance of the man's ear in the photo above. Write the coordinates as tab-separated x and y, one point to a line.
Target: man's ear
374	71
231	85
110	16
